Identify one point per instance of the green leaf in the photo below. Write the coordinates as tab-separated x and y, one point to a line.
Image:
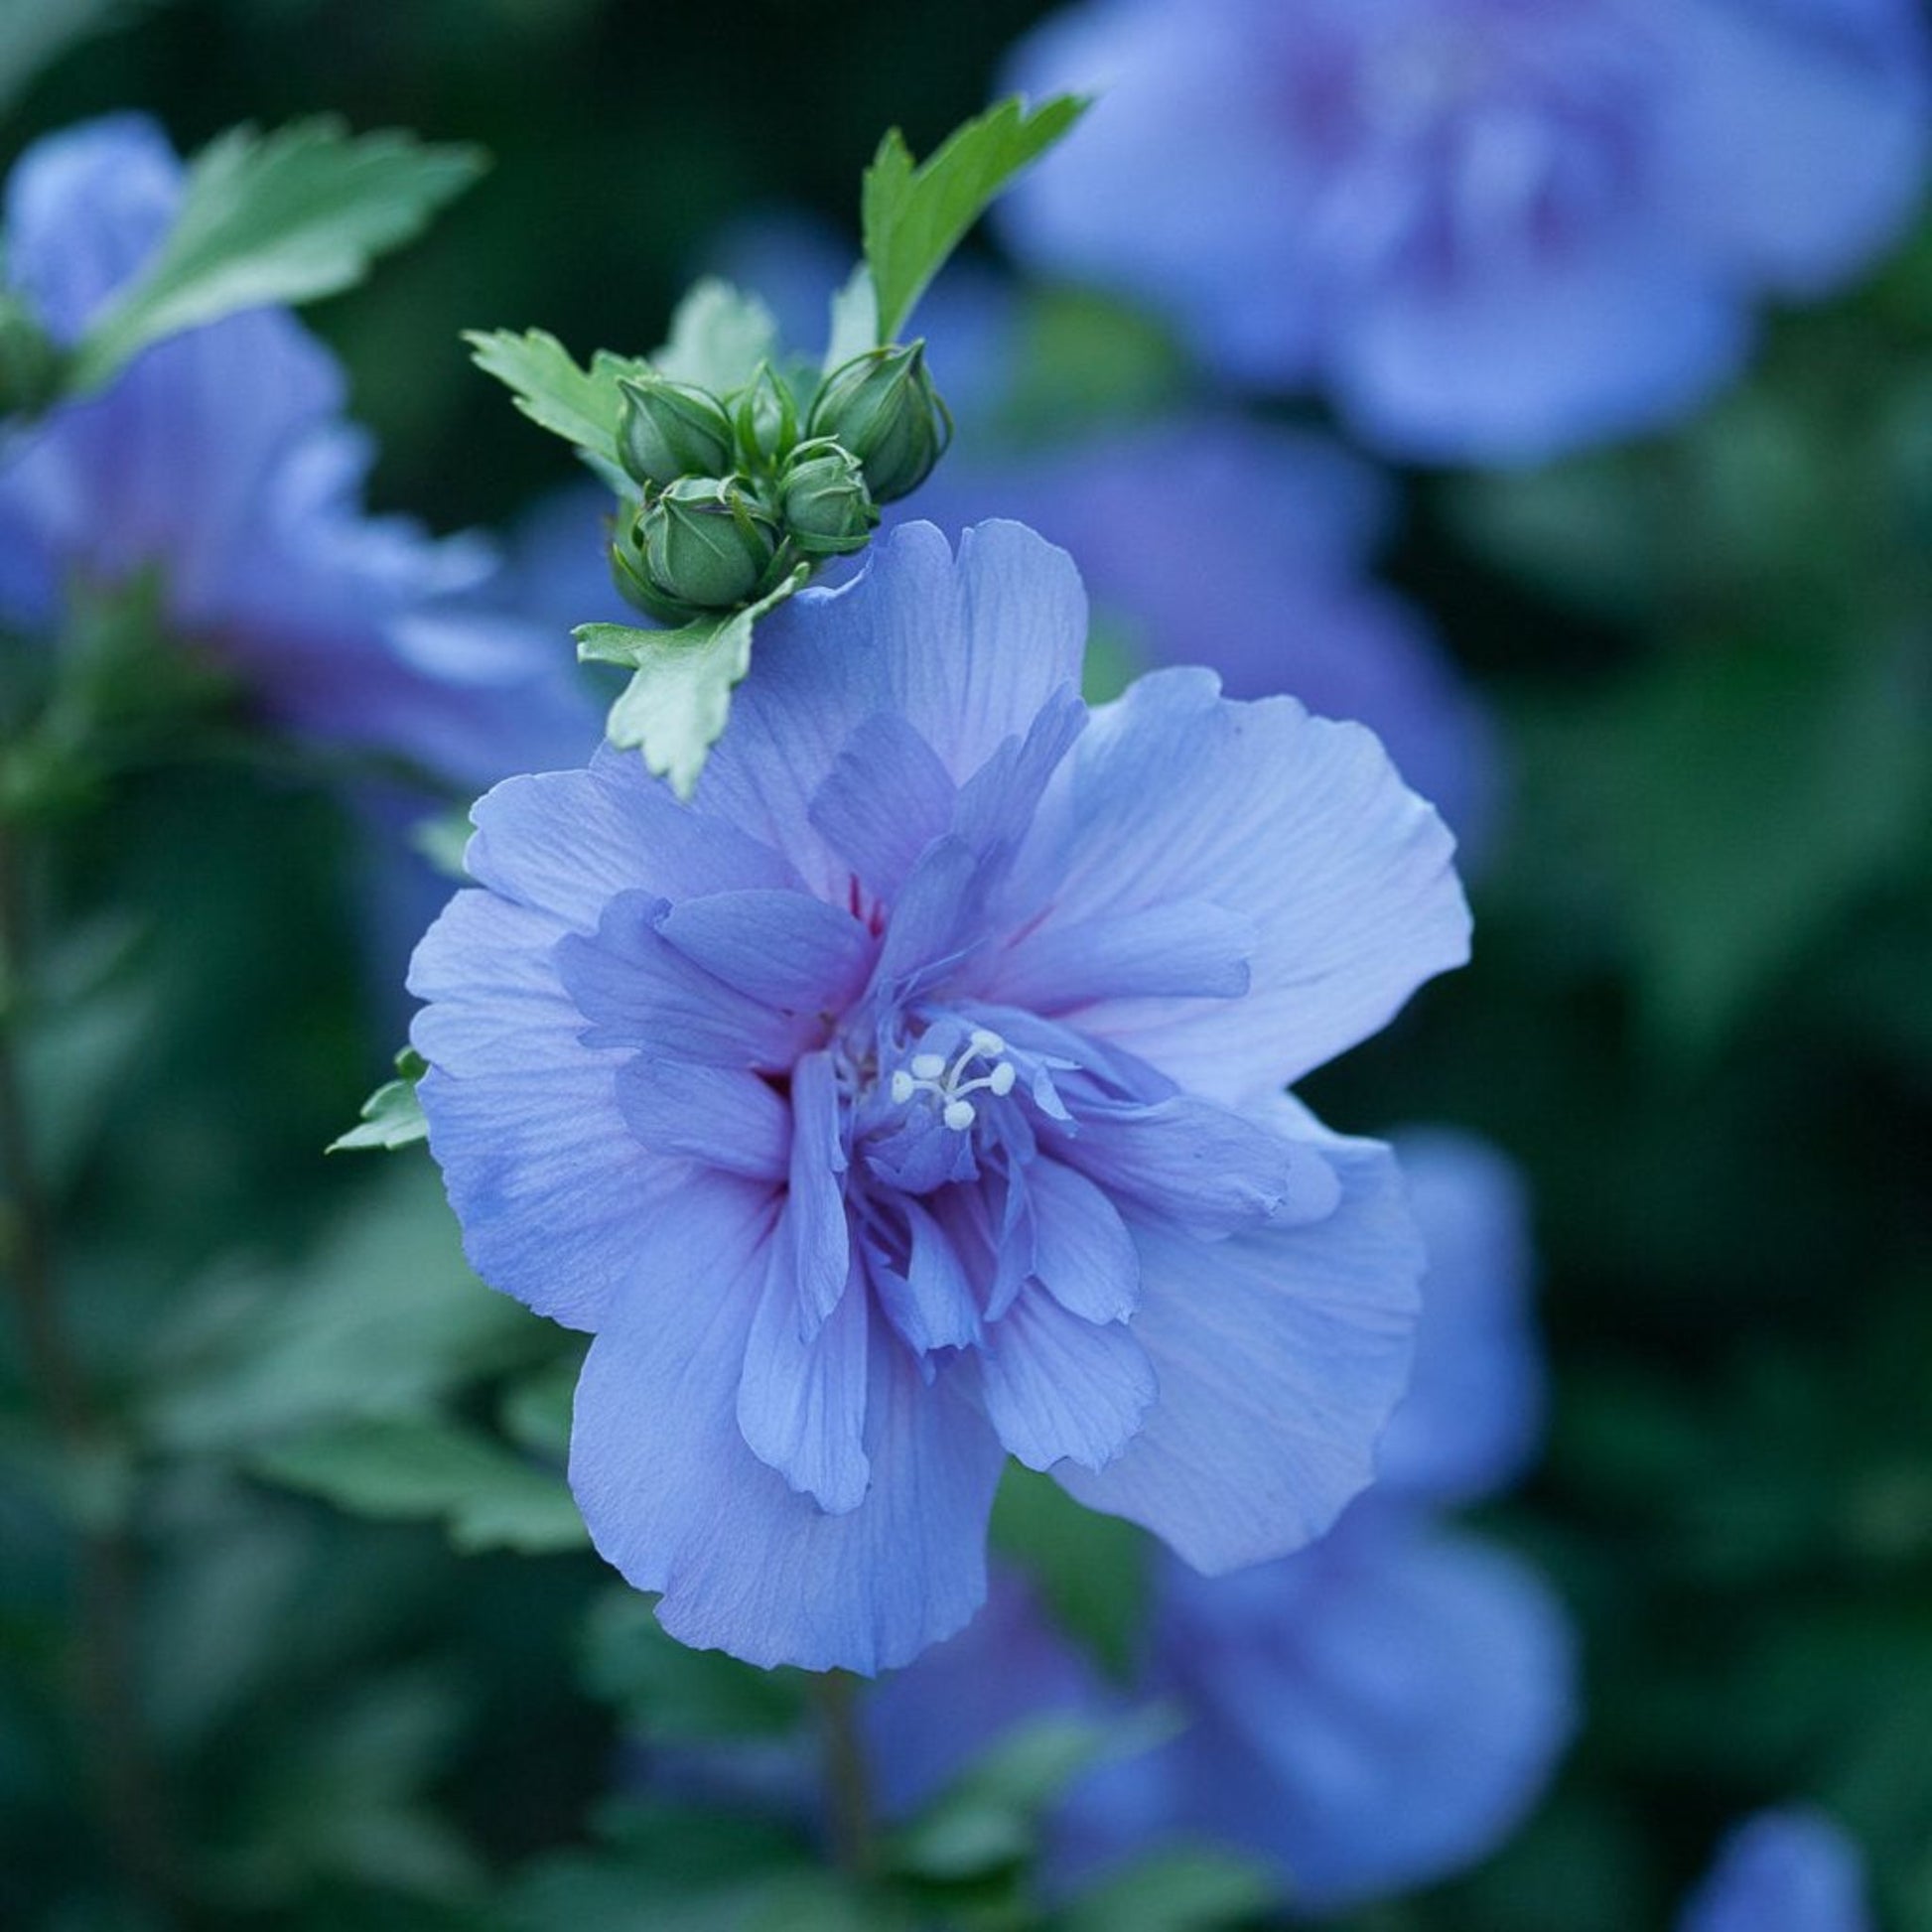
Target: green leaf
679	695
671	1692
1186	1889
392	1116
719	337
855	320
1090	1568
34	34
580	405
913	217
427	1470
269	219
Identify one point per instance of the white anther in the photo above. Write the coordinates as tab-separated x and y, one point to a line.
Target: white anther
949	1086
1000	1079
959	1115
929	1067
902	1087
983	1041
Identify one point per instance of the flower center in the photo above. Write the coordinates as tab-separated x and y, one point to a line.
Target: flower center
949	1086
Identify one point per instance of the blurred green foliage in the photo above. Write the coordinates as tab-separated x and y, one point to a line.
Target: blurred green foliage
1699	1016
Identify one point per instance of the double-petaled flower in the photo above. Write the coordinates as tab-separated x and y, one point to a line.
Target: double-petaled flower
916	1096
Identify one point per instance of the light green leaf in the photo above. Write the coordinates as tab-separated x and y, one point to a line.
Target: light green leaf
1186	1889
719	337
423	1471
855	320
679	695
268	218
580	405
913	217
392	1116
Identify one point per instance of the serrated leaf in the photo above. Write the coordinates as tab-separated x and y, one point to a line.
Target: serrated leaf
392	1116
678	699
422	1471
855	319
719	337
279	218
580	405
913	217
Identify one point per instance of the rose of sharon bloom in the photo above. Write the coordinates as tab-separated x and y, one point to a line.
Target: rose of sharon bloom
1372	1713
914	1097
1491	229
1789	1870
221	458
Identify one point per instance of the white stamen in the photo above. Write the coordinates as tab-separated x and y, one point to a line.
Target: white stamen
903	1088
929	1067
930	1073
959	1115
983	1041
1000	1079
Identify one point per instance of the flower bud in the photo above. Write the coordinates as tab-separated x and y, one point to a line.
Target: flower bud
767	420
822	496
704	545
668	429
883	407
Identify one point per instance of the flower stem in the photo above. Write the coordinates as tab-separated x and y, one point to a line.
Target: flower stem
846	1786
116	1748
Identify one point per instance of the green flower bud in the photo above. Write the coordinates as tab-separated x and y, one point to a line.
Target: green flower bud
668	429
705	546
30	361
767	420
822	496
883	407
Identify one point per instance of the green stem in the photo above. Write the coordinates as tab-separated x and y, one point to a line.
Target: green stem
848	1787
116	1748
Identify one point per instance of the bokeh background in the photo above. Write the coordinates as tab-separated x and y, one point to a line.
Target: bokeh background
1699	1020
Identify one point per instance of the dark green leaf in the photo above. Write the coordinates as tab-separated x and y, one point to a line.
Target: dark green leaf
423	1471
913	217
269	219
1091	1568
681	692
34	34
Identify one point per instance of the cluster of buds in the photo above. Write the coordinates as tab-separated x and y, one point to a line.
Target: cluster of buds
738	491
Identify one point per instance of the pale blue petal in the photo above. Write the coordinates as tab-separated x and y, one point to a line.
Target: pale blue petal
930	1300
1060	1388
784	949
719	1116
886	799
1084	1254
1185	949
1301	824
816	1236
801	1404
1280	1354
1201	1165
634	989
678	1503
1786	1870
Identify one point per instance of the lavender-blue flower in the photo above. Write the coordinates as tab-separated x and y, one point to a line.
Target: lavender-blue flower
1490	230
914	1097
221	458
1786	1870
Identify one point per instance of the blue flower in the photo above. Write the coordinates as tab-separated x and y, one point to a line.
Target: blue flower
915	1097
222	458
1369	1713
1787	1871
1248	518
1491	229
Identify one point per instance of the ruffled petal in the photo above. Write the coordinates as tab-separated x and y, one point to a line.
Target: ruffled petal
784	949
1084	1254
1187	950
719	1116
1060	1388
1279	1355
675	1499
817	1237
1298	824
885	798
801	1404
